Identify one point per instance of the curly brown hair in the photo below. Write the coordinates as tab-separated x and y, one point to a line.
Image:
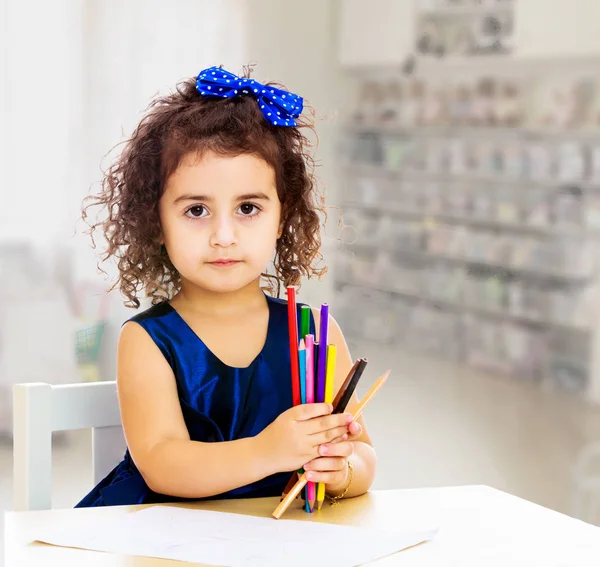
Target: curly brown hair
183	122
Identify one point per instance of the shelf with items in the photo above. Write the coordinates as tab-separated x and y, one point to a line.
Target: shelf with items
539	104
479	291
492	264
464	27
548	163
466	8
525	348
471	229
493	224
529	133
566	254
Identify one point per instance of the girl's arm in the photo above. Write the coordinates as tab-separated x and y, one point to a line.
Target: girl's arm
174	465
363	458
157	435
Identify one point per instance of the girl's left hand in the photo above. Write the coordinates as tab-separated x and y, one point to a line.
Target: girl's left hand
331	467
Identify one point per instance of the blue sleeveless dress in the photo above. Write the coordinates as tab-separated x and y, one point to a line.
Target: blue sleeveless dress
219	402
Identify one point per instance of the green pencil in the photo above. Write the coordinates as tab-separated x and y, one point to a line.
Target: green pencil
304	330
304	321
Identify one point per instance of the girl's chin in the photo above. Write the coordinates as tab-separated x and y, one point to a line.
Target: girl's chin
225	283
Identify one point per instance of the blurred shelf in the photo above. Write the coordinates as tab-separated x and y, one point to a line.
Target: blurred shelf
471	67
460	308
522	133
477	262
492	224
472	10
376	170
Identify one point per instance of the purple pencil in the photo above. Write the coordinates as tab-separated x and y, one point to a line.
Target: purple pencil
323	337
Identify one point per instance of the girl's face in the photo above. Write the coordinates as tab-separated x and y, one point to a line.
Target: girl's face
220	219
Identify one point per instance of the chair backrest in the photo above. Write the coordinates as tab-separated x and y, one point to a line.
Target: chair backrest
40	409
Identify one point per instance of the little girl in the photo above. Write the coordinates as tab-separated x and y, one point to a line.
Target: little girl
214	186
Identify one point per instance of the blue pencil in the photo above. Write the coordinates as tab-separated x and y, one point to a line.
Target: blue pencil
302	366
302	372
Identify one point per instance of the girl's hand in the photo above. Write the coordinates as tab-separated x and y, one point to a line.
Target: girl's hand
295	437
331	467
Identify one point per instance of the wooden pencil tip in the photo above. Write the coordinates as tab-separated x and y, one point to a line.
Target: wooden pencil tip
301	347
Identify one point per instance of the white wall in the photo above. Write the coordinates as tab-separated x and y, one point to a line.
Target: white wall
557	28
140	48
134	50
41	118
296	44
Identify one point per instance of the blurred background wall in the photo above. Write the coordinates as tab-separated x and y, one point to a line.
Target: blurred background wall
459	139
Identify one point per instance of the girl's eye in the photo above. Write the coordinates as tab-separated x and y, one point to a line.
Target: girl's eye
196	211
249	210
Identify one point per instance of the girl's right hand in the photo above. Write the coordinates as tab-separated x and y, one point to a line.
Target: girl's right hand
294	438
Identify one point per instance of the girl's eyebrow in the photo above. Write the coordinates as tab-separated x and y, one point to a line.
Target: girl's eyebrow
246	197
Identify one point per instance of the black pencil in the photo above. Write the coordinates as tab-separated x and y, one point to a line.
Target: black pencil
344	399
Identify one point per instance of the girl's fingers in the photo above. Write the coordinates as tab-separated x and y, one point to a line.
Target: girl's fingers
339	439
353	433
327	464
341	449
332	478
329	435
354	430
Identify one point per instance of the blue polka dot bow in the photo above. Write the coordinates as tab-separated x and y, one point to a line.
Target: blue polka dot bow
279	107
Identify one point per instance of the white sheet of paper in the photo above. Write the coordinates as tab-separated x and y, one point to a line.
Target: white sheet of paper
234	540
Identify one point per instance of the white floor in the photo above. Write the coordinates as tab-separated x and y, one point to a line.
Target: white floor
434	424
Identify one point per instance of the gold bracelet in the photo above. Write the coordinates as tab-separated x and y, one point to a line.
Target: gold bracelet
333	500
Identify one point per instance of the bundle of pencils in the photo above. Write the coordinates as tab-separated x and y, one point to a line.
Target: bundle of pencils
313	366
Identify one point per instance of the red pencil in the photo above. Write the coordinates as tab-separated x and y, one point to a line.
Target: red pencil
293	332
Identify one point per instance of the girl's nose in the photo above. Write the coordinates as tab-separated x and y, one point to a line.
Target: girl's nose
223	234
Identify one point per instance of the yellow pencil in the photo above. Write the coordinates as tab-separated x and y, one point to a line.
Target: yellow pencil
329	380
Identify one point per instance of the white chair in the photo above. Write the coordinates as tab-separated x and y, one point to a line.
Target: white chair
40	409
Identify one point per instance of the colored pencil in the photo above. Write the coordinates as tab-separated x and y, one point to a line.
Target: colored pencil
302	370
330	374
358	410
302	481
344	387
289	485
310	398
322	364
304	330
346	395
320	374
316	352
294	478
323	337
329	380
293	335
304	321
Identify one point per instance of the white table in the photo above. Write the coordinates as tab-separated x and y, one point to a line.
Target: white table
479	527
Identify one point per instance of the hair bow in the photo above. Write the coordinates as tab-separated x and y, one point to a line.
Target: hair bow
279	107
